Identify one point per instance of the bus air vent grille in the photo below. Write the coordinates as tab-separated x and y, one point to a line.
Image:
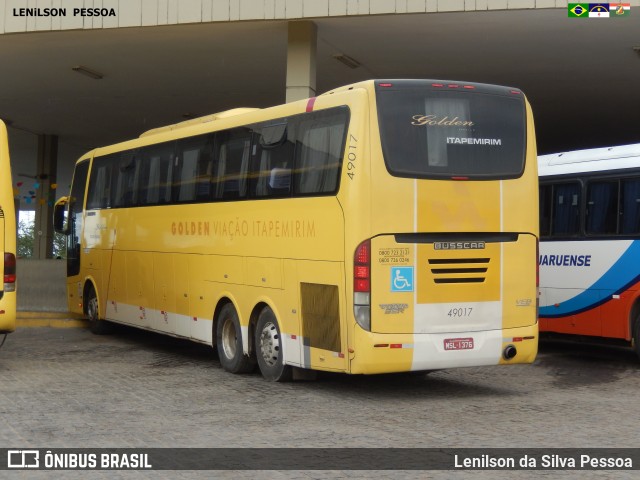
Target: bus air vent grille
459	270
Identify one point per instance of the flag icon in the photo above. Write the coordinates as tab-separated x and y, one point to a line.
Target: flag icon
619	10
598	10
578	10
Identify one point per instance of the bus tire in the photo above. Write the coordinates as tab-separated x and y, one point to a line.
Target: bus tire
268	344
229	342
96	324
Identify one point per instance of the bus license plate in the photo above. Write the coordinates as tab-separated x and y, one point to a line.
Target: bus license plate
458	344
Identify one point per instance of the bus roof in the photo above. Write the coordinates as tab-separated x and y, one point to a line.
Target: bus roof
199	120
590	160
430	83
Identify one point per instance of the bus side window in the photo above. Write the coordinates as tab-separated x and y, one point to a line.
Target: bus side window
194	168
566	209
76	200
99	193
151	164
124	180
187	163
272	163
155	176
320	142
630	206
230	181
205	169
602	208
545	210
143	182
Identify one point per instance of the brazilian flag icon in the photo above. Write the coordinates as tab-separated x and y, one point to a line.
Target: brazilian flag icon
578	10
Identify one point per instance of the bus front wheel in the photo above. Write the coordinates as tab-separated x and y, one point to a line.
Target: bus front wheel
96	324
269	348
229	342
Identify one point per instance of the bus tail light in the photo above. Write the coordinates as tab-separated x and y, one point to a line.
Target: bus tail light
362	285
9	272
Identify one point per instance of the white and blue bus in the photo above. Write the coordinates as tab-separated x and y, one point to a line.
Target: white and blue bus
590	248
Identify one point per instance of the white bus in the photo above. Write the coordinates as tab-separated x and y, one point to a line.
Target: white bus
590	248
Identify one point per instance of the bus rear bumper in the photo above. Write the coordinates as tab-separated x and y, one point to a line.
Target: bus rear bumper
387	353
8	313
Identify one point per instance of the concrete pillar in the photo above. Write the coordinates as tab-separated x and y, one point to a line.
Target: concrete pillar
301	60
46	176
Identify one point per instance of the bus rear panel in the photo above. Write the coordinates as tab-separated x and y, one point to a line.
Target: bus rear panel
454	229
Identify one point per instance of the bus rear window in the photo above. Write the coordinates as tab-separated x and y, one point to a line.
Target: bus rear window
432	133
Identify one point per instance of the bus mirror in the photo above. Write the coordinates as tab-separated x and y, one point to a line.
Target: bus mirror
60	223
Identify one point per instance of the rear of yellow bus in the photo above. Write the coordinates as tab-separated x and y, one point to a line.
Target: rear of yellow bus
7	239
445	274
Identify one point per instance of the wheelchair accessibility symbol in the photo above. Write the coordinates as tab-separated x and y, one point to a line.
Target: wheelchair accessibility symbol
402	279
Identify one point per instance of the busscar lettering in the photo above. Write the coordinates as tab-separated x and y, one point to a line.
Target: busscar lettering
459	245
565	260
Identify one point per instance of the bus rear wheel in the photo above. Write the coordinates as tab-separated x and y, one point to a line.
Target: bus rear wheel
229	342
269	353
96	324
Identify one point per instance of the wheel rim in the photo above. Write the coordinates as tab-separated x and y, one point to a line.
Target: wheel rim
270	344
92	309
229	339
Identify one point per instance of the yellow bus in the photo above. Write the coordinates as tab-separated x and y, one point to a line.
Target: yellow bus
384	226
7	239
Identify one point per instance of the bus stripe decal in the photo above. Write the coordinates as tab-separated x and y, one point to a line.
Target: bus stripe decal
310	104
624	270
547	312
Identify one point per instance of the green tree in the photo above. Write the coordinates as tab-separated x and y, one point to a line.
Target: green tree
26	241
26	237
59	245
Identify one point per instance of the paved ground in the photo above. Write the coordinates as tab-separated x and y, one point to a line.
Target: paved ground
69	388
